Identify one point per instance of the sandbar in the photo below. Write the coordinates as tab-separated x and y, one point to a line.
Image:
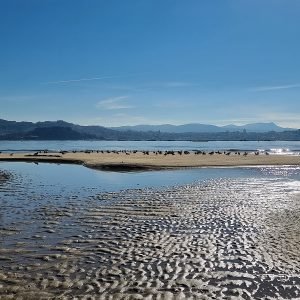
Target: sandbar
144	160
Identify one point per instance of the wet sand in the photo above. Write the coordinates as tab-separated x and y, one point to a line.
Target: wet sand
153	160
4	176
220	239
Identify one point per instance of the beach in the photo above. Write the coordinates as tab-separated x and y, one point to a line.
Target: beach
231	234
225	238
154	159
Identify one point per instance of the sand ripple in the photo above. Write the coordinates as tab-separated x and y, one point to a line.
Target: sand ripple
221	239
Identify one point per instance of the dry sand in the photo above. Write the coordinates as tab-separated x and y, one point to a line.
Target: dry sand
140	160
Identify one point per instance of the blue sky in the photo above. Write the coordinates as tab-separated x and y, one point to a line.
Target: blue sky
130	62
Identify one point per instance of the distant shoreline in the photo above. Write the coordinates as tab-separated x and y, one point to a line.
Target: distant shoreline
152	140
159	160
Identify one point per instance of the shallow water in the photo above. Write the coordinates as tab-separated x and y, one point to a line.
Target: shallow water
68	231
276	147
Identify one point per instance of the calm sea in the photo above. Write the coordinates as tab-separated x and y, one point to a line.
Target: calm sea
276	147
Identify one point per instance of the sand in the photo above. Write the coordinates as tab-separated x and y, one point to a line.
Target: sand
221	239
153	160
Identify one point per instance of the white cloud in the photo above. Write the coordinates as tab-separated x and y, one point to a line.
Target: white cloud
91	78
78	80
275	87
113	103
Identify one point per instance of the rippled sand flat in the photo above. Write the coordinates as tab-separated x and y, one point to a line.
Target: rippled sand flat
219	239
4	176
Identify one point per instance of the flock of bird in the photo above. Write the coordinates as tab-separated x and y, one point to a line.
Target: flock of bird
167	152
158	152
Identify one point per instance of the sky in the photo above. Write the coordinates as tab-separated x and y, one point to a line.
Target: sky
117	62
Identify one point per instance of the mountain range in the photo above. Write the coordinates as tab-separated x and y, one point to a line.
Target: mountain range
61	130
195	127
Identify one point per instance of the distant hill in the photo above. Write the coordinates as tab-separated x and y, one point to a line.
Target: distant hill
171	128
257	127
7	127
61	130
57	133
254	127
49	133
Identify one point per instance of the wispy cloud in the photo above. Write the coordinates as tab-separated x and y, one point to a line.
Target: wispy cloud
113	103
80	79
93	78
275	87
